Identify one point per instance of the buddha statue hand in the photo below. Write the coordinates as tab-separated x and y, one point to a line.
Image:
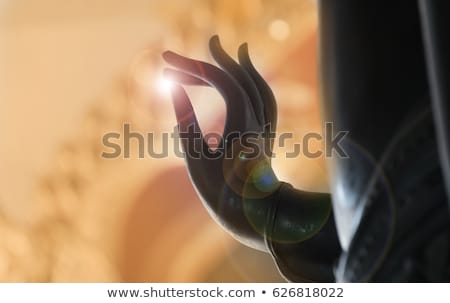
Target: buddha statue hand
236	182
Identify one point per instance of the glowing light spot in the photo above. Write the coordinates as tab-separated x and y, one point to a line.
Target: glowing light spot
279	30
164	85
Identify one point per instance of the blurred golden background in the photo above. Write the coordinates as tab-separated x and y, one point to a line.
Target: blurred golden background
72	71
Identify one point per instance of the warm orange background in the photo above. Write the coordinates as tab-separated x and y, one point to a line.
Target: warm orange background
72	71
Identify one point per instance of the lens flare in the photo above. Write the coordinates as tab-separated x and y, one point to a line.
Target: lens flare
164	85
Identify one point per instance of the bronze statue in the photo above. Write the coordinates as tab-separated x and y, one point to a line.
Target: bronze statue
383	66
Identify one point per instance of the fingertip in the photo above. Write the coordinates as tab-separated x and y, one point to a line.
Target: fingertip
243	47
167	73
174	76
243	55
166	54
214	39
214	45
171	57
